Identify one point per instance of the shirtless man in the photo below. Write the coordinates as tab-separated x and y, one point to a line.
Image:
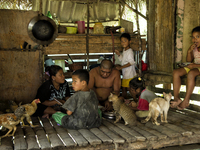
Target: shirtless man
103	80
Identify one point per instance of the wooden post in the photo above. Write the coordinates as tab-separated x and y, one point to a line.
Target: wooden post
87	36
140	41
136	11
147	14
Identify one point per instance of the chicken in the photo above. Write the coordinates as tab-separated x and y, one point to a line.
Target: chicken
13	105
30	109
10	120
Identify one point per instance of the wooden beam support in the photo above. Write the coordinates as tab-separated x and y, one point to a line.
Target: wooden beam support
134	10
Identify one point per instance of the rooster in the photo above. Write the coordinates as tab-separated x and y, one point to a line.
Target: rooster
29	109
10	120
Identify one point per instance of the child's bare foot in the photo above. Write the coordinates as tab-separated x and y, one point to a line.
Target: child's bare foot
175	103
45	116
183	105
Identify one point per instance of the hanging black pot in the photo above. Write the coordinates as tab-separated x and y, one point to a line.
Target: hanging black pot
42	30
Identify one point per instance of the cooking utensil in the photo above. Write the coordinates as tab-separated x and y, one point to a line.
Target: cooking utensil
58	101
108	115
42	30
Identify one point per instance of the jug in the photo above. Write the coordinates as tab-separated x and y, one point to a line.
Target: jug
81	27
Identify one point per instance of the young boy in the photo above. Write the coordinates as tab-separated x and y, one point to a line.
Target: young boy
82	107
127	62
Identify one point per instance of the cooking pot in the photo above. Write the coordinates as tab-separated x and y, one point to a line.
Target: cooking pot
42	30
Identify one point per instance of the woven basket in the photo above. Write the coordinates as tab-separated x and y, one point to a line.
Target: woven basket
75	66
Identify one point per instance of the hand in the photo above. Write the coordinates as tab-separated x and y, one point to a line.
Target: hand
192	47
62	101
127	101
190	66
108	105
118	67
117	52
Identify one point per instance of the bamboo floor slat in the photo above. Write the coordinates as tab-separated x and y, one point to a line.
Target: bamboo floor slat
181	129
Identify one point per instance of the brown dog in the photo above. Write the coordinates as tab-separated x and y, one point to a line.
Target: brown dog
159	106
122	110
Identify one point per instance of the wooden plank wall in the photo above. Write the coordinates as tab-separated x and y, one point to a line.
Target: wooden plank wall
14	28
20	76
160	35
192	8
76	43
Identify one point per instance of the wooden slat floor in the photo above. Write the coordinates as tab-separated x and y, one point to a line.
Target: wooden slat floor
181	129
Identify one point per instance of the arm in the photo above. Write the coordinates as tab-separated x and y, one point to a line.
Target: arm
124	66
69	112
190	56
119	55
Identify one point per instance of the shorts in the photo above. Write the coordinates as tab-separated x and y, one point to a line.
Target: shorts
125	82
187	69
58	117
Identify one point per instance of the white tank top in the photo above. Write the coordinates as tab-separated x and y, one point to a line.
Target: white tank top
196	54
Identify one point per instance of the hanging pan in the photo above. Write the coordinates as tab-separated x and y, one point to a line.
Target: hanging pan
42	30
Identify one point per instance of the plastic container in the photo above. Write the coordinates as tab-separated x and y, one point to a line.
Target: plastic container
49	62
98	28
81	27
100	59
71	30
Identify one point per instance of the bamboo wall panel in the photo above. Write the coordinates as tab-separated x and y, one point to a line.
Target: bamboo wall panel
70	44
161	54
13	28
20	75
192	8
179	32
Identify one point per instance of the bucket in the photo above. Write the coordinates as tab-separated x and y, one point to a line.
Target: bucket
49	62
60	63
81	27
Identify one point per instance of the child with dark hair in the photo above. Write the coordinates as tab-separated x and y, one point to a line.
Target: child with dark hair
138	91
191	70
82	107
127	62
54	88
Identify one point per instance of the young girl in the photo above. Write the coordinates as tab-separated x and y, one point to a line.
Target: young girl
127	62
54	88
192	70
137	90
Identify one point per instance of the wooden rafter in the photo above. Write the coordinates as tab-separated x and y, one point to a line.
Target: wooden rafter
134	10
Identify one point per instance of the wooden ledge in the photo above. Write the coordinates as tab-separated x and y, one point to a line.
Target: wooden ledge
153	78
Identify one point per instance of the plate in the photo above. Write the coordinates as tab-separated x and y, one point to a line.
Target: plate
184	64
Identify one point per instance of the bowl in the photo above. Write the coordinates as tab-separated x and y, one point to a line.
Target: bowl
71	30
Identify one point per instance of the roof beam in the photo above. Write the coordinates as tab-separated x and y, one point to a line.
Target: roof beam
134	10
